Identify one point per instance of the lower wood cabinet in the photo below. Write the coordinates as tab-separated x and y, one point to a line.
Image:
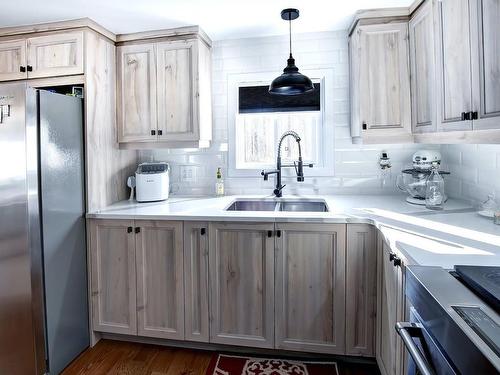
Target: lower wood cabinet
361	289
390	310
292	286
113	286
196	281
160	279
310	287
242	284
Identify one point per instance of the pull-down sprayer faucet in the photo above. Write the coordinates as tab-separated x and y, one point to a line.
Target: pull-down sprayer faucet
299	166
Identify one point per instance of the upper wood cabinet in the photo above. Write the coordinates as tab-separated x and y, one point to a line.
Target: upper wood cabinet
454	65
422	29
136	110
485	41
55	55
12	60
160	279
242	284
50	55
113	277
361	289
164	94
310	287
380	83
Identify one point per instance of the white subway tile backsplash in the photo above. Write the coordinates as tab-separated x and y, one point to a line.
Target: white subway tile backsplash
356	168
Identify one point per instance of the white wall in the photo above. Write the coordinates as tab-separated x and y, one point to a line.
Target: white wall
356	168
475	171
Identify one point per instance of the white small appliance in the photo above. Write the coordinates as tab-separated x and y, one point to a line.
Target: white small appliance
152	182
413	180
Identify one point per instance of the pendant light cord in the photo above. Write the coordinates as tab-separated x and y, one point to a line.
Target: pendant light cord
290	31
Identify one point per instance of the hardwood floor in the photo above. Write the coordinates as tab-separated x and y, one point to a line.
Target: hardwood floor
125	358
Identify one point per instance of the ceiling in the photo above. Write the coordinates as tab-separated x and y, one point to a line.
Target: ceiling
221	19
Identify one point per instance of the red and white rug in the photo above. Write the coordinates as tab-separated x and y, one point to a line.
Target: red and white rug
235	365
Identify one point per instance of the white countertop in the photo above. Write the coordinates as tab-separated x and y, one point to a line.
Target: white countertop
456	235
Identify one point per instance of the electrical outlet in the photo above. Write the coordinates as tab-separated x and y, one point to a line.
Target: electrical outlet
187	173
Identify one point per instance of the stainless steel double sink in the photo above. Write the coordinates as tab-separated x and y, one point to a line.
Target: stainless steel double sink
287	205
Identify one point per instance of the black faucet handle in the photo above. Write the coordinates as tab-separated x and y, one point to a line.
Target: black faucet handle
277	191
266	176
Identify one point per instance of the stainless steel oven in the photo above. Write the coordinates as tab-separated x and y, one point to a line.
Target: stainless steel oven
452	330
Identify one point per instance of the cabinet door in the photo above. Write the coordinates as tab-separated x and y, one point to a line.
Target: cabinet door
160	282
196	280
384	87
454	65
55	55
361	289
177	112
390	310
136	97
423	68
113	289
12	60
485	38
310	287
241	258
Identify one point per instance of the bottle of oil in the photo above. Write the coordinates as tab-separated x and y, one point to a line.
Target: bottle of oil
219	184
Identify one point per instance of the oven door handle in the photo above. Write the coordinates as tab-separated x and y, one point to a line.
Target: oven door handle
408	331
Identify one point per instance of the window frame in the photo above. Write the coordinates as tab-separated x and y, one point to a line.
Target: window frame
325	153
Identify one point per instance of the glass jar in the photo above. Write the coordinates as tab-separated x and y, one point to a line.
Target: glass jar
434	190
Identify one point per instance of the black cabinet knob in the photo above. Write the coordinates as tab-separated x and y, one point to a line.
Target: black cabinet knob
269	233
203	231
364	126
160	132
22	69
474	115
137	229
30	68
397	262
153	132
391	257
466	116
129	230
278	233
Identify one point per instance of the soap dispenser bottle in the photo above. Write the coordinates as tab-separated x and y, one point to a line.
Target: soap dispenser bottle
434	192
219	184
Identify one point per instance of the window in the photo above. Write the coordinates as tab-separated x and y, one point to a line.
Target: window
257	120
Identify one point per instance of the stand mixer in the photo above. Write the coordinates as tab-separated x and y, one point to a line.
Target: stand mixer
413	180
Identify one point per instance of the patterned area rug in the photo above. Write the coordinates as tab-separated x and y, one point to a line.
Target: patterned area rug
234	365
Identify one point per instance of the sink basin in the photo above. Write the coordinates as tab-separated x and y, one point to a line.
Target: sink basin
279	205
252	206
303	206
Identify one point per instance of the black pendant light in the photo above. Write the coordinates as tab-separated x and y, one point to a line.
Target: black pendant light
291	82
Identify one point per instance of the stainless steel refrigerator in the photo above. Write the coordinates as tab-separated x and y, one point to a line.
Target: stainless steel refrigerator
43	282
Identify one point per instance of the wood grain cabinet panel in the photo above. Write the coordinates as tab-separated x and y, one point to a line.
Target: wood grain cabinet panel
136	96
390	310
361	289
422	29
55	55
310	287
177	78
384	80
12	60
485	41
196	281
160	279
113	278
241	260
454	65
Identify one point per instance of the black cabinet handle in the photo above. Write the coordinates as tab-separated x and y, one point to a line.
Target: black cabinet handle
160	132
129	230
474	115
269	233
466	116
364	126
203	231
30	68
22	69
278	233
391	257
137	229
153	132
397	261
